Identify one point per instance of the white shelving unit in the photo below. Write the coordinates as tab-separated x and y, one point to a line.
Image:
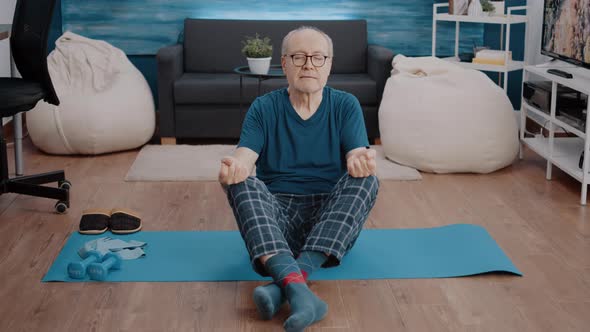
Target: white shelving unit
563	152
504	20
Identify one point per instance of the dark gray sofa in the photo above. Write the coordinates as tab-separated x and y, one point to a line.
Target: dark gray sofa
199	94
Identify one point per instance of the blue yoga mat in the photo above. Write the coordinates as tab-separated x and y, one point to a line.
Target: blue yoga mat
448	251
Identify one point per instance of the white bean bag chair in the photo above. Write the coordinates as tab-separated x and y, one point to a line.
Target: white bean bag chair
106	104
439	117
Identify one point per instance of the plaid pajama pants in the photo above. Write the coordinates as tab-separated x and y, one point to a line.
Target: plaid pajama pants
328	222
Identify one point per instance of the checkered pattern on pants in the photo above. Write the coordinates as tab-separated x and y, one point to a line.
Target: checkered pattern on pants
330	222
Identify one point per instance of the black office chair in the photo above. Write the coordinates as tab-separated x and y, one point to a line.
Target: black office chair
28	41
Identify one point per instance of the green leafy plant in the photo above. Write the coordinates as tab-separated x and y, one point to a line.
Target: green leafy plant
487	6
257	47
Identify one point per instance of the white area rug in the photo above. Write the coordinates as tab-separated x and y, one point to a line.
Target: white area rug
202	162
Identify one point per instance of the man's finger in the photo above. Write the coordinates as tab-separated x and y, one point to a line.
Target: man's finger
358	169
371	154
365	164
372	166
350	168
232	173
227	161
223	173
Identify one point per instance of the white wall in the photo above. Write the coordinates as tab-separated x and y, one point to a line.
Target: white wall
534	33
6	13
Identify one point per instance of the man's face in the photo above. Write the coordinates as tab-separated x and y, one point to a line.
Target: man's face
307	78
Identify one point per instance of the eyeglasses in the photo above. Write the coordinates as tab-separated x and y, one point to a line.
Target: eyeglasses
299	59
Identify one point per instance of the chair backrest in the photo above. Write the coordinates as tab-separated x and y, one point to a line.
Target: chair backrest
28	41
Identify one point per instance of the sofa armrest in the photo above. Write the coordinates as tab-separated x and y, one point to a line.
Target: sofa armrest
170	68
379	66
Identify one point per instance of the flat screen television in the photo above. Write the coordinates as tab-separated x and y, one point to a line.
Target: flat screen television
566	31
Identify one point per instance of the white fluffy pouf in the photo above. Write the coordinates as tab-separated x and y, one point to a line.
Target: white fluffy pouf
106	104
439	117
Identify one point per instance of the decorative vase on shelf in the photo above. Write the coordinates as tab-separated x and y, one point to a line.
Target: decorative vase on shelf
475	8
487	7
258	52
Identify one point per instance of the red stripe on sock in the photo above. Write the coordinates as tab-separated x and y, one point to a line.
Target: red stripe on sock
293	277
304	274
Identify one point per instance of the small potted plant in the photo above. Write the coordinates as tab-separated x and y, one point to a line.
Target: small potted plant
488	7
258	51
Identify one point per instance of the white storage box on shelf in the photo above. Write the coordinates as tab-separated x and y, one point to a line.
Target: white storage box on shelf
440	117
106	104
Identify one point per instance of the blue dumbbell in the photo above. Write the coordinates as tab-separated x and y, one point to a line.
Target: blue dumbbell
100	271
77	270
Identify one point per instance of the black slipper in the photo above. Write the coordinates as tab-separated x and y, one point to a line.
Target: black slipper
94	221
124	221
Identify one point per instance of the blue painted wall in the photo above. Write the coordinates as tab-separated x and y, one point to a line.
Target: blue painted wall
145	63
401	25
144	26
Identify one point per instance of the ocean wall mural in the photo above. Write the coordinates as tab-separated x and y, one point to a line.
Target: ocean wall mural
141	27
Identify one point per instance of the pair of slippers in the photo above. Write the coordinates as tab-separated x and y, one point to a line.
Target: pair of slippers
119	221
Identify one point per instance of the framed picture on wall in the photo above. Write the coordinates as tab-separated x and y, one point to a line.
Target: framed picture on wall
459	7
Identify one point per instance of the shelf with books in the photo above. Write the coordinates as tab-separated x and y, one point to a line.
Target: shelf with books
512	65
506	21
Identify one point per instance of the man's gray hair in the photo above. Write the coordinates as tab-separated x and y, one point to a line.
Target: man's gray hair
301	28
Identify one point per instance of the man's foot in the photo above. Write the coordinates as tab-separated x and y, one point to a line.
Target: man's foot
268	300
306	307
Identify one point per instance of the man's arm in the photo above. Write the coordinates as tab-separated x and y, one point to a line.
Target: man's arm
237	168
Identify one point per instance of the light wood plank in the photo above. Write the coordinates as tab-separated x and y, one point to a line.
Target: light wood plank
168	140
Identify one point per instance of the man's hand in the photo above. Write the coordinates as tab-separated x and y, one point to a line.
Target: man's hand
232	171
361	163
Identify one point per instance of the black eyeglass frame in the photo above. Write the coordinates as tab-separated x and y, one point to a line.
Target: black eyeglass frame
306	59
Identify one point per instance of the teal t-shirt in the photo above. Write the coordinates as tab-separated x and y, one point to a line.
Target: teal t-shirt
299	156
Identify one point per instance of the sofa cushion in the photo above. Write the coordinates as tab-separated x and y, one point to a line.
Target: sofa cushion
206	52
206	88
224	88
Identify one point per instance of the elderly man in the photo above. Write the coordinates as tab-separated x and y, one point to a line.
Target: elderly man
315	179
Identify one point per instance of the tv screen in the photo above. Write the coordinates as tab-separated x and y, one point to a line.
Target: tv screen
566	31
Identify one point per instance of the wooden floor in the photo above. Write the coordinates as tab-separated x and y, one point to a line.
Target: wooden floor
538	223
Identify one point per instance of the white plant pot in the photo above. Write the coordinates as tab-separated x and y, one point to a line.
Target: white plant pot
259	65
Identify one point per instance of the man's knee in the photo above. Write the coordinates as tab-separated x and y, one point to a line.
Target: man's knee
251	183
369	184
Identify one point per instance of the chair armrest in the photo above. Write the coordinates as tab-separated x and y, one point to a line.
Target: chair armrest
379	66
170	68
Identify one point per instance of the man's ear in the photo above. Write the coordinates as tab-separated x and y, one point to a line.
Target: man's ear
283	62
